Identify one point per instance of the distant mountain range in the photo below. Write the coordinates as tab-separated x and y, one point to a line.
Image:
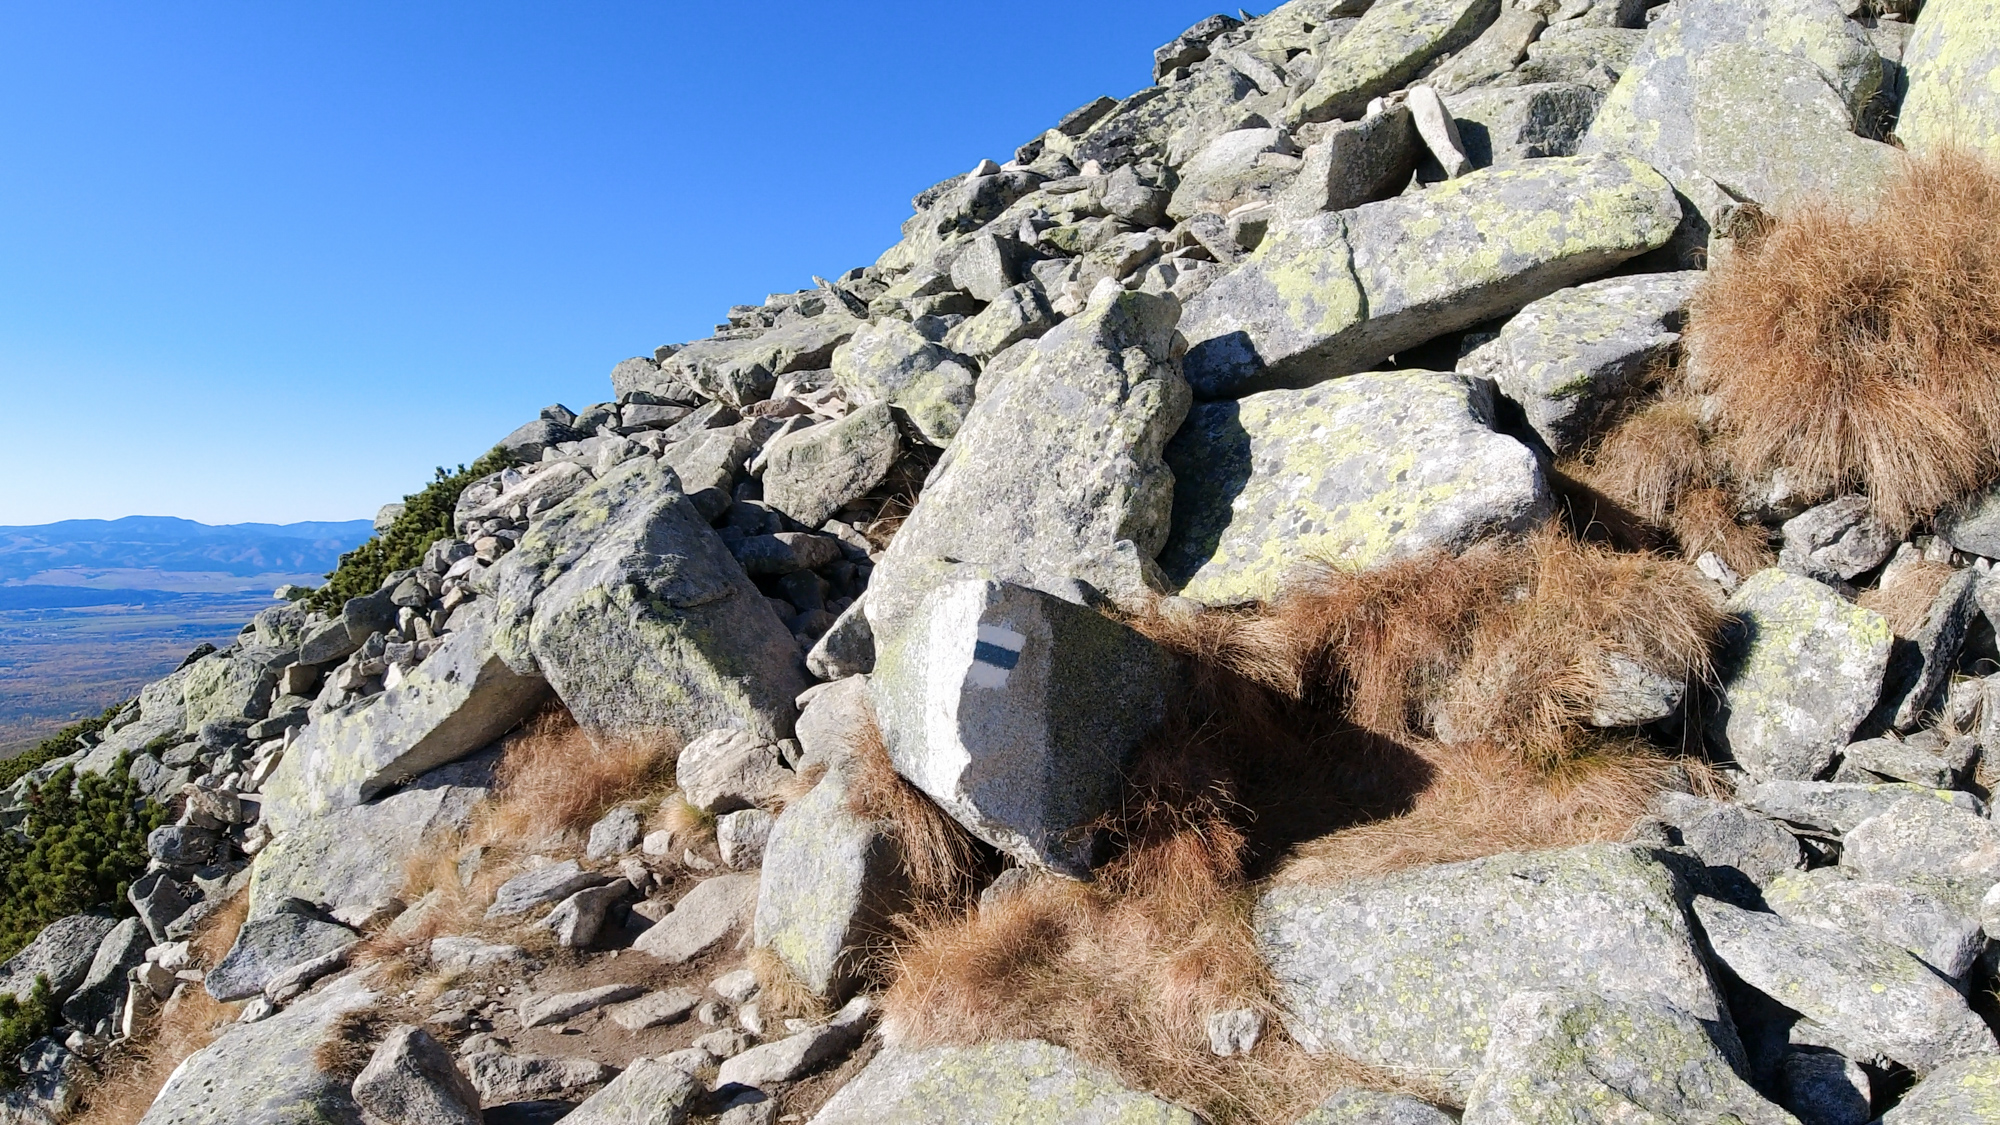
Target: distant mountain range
78	563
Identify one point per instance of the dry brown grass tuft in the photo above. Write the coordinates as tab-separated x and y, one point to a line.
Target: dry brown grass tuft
1863	351
1707	520
349	1044
1652	459
1906	593
940	859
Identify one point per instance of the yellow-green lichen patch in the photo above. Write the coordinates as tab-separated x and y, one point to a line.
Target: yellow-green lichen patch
1953	63
1015	1082
1392	41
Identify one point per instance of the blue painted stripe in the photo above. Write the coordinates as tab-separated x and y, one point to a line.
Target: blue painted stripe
987	652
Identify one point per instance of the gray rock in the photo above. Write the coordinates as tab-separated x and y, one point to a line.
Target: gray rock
1918	671
847	648
450	954
726	770
615	833
159	899
412	1080
649	1092
327	643
1573	357
1892	759
1355	1106
831	882
503	1078
1951	66
655	1009
1554	1052
63	951
1409	970
1836	540
1191	46
352	860
453	704
529	442
784	552
1838	807
1356	162
1020	313
527	490
642	621
708	464
578	920
236	683
795	1056
741	837
1940	935
1927	841
1393	40
179	845
1057	473
1573	53
269	946
1006	1081
1504	125
1973	526
891	362
1438	130
1958	1093
1337	293
544	1010
1493	55
1799	673
1757	98
1360	471
1046	703
1824	1088
1235	1032
819	470
1239	167
102	989
741	372
1726	835
533	888
1635	695
1870	998
725	1043
714	909
268	1072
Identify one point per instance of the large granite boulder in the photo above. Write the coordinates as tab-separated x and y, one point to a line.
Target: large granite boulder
1057	473
1336	293
1946	938
1019	713
1358	471
1927	843
351	860
1576	355
102	989
811	474
1008	1081
1959	1093
267	948
743	371
1952	67
235	683
62	951
1409	971
641	620
1801	668
451	705
271	1072
1393	41
1508	124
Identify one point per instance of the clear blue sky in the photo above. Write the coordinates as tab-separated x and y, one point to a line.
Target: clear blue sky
273	261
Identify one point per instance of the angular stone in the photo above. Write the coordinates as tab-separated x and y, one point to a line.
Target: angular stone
1872	999
1726	835
642	621
353	859
1919	670
266	947
615	833
1573	357
1337	293
268	1072
1799	673
795	1056
1393	40
1835	898
726	770
236	683
1837	540
1005	1081
1927	841
1504	125
463	955
1354	1106
707	464
413	1080
821	469
831	881
1239	167
539	886
544	1010
1356	162
1952	68
1824	1087
1553	1053
1409	970
655	1009
649	1092
1057	473
1958	1093
1973	526
742	372
847	648
578	920
532	439
1020	313
454	703
742	836
1572	53
714	909
1839	806
1892	759
98	995
1191	46
1018	713
63	951
1359	471
502	1078
891	362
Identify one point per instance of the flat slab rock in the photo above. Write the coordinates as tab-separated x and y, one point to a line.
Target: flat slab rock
714	909
1953	63
1408	971
266	1073
1958	1093
1359	471
1007	1082
650	1091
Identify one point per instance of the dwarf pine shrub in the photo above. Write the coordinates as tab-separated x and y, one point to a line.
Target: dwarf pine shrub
80	848
22	1021
426	519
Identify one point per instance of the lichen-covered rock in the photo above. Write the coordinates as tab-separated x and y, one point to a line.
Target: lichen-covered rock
811	474
831	881
1940	935
458	701
891	362
102	988
1729	835
1021	313
269	946
649	1092
1838	806
236	683
268	1072
1015	1082
412	1080
1394	39
352	859
1801	670
1560	1057
1019	713
1408	971
743	371
1960	1093
1057	473
1371	1107
1238	167
639	617
1871	998
1332	294
1360	470
1929	843
1572	357
708	463
1952	66
62	951
726	770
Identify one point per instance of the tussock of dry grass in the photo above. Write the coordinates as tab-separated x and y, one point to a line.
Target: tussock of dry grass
1906	593
1863	351
1653	458
940	859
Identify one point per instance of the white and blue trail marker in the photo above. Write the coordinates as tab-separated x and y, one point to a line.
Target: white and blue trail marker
994	656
